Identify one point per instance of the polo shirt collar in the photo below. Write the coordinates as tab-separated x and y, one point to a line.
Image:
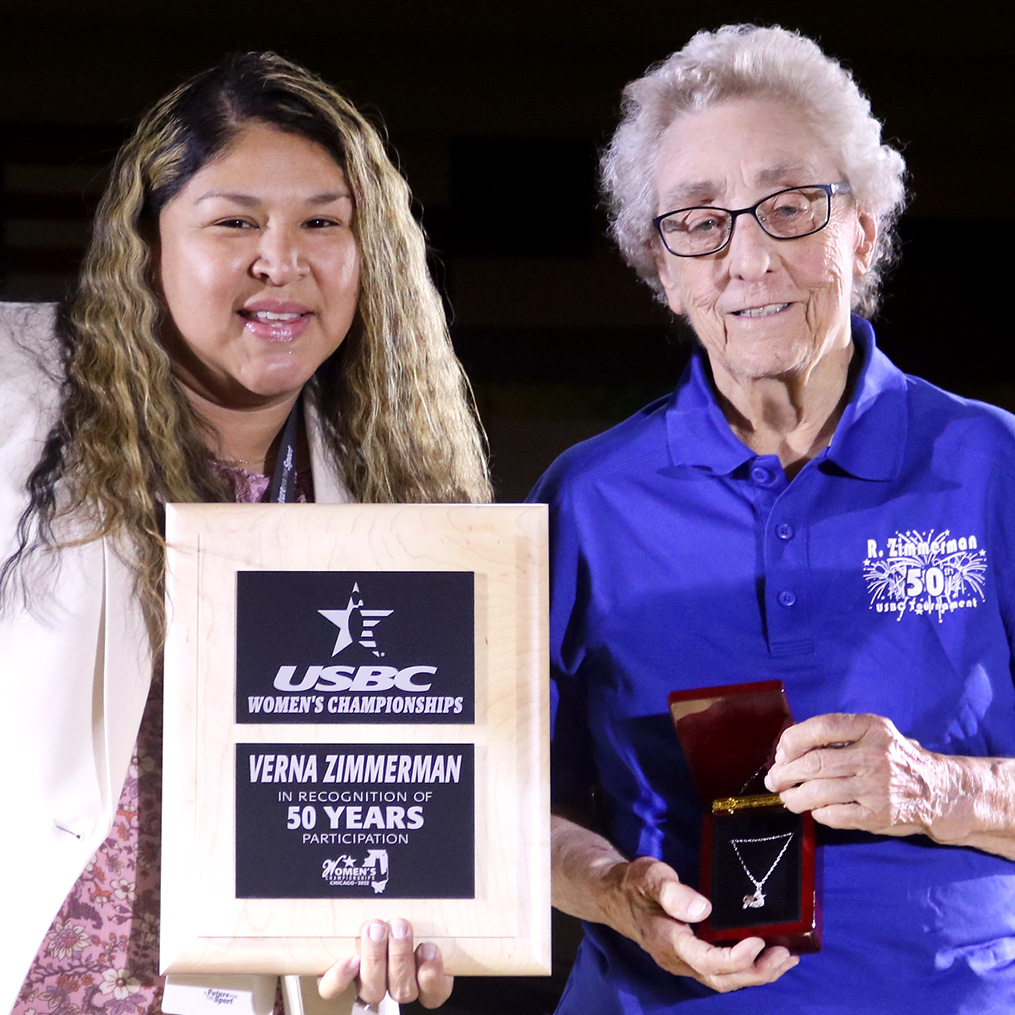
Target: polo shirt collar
870	440
868	443
699	436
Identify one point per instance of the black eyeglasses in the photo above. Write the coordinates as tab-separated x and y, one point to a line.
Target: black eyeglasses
785	215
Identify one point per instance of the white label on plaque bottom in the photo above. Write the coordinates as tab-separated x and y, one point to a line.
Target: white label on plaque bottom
219	995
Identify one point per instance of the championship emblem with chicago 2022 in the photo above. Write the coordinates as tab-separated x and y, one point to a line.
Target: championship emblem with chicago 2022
355	647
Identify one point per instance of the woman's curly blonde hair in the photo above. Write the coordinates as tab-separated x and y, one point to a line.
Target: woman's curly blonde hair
394	405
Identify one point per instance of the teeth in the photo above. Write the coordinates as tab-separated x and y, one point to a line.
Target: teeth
267	315
767	311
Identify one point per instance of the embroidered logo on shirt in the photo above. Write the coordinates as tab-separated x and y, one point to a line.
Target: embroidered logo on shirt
925	572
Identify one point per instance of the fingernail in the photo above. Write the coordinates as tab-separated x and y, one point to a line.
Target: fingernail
399	929
696	908
378	931
780	755
427	951
352	966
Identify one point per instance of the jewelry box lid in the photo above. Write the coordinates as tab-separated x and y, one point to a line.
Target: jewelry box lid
729	735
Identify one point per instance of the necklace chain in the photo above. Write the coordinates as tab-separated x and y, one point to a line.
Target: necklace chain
757	900
743	789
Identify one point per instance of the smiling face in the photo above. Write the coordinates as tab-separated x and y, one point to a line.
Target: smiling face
259	269
762	307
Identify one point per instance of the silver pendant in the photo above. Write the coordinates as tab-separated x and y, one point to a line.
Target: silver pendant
757	900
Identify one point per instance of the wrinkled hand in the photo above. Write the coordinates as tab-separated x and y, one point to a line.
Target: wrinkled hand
654	909
860	772
389	963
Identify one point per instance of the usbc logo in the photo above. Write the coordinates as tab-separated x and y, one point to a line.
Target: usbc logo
344	620
358	679
404	640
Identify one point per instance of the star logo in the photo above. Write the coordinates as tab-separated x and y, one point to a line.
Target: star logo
343	620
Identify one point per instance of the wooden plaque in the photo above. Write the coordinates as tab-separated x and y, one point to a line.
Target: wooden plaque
356	727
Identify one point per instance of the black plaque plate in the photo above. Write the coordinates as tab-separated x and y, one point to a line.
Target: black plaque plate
355	821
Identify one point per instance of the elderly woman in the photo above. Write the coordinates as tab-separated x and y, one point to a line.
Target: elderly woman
254	320
797	510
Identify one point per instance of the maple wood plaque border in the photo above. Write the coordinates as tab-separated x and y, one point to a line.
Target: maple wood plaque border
245	779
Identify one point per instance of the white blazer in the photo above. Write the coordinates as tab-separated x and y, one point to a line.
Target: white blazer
74	672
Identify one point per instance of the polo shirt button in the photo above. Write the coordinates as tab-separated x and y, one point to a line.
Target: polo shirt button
784	530
786	598
760	475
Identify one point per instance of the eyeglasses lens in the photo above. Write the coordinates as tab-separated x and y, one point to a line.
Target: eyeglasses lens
693	232
696	231
793	213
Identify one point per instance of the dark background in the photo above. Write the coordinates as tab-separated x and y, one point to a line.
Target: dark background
497	112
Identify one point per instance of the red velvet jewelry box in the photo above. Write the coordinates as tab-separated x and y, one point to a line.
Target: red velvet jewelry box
758	862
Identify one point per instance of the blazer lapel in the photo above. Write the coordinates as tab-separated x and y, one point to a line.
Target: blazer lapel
328	485
126	667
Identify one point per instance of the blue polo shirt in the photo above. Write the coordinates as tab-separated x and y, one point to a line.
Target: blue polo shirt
879	580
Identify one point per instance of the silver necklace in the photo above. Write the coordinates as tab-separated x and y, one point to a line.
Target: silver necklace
743	789
757	900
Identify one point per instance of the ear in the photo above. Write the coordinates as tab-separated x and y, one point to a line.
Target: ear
666	269
866	239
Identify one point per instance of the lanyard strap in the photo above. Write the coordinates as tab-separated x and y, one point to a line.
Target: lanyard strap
283	486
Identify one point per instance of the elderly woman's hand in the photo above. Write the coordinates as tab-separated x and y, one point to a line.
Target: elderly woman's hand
860	772
655	909
389	963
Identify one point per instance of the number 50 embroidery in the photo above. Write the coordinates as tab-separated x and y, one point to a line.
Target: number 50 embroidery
919	580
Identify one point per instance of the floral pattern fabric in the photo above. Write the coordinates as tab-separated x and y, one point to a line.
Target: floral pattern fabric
102	951
253	487
101	954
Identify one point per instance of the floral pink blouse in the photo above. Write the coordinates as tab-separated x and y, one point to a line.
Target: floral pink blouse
102	951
